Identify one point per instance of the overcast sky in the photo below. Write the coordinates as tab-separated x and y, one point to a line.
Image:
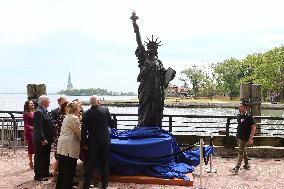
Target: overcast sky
42	41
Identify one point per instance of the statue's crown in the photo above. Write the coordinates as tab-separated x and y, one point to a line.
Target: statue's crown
153	43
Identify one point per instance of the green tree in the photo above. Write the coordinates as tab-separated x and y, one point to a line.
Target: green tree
228	75
93	91
200	81
270	73
266	70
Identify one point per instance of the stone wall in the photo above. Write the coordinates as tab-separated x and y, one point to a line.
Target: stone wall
256	152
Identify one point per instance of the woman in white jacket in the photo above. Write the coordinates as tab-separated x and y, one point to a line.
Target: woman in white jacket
68	147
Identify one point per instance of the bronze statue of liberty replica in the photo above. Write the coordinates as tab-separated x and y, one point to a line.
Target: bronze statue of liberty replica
153	78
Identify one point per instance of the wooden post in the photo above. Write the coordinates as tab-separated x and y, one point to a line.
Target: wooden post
34	91
251	94
41	90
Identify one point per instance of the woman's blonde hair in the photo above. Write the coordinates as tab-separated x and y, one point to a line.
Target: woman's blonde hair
72	107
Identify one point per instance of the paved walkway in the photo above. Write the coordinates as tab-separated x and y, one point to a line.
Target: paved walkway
265	173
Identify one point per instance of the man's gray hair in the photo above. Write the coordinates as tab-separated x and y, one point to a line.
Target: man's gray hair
42	98
94	100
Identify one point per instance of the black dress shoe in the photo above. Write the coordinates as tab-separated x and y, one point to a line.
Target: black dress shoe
94	184
40	179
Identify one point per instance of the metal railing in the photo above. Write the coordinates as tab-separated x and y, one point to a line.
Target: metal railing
11	130
205	124
12	126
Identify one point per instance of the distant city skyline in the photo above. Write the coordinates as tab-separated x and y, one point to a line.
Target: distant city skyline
42	41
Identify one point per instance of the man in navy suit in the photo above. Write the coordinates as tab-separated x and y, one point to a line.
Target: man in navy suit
42	139
96	139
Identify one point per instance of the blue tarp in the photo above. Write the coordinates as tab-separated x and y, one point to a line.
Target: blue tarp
151	151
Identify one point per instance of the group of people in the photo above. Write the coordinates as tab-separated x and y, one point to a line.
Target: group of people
74	134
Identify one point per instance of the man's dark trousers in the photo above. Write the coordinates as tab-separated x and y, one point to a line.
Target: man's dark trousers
42	160
99	155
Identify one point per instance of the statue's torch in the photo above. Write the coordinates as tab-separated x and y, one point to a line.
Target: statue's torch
133	16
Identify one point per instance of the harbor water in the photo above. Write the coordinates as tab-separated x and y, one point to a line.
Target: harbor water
15	102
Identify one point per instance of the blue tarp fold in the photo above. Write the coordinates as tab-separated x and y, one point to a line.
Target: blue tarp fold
151	151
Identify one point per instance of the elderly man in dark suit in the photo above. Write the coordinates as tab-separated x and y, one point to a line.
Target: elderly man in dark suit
42	139
96	139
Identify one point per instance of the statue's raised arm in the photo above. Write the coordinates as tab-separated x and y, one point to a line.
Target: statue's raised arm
136	29
140	52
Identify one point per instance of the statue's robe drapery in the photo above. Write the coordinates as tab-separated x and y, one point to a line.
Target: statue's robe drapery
150	93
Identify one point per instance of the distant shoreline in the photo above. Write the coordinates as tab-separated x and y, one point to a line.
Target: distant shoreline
192	104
